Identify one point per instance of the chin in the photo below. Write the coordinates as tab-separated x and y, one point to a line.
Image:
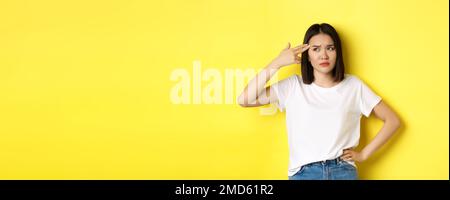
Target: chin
324	71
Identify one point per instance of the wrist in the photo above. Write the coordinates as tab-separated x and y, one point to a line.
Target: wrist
273	65
365	154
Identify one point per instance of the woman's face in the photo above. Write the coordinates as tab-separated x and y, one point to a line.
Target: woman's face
322	53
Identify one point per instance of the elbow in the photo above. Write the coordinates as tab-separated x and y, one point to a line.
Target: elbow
395	122
242	104
241	101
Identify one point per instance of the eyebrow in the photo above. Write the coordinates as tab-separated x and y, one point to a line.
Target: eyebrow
320	45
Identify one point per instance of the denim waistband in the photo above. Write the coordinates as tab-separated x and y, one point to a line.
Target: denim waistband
324	162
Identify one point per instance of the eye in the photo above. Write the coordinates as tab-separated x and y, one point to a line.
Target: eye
331	48
315	49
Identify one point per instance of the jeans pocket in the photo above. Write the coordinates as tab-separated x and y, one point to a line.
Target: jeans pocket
302	169
348	171
298	173
347	165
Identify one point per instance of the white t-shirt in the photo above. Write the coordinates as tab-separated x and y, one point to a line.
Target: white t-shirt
322	122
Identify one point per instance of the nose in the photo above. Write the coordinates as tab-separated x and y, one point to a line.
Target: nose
324	55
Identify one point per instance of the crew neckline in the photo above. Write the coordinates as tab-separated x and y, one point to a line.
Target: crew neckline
333	87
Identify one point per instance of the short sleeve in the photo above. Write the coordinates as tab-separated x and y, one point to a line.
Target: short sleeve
368	99
282	90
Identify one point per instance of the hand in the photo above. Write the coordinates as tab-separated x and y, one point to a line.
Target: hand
290	55
351	155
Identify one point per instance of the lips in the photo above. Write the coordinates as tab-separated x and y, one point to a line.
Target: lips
324	64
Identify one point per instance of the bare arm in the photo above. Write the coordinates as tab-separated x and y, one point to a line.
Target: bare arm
255	93
391	124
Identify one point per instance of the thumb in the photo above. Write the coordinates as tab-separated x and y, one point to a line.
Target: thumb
288	46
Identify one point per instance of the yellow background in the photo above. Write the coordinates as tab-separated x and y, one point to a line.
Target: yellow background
84	86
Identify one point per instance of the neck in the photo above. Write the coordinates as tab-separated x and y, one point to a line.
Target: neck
324	80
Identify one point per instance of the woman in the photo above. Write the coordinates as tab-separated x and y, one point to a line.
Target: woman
323	108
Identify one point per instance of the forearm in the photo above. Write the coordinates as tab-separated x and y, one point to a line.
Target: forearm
257	85
385	133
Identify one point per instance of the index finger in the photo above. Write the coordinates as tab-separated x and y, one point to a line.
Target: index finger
305	47
301	46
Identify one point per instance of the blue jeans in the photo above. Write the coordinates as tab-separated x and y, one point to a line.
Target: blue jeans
336	169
